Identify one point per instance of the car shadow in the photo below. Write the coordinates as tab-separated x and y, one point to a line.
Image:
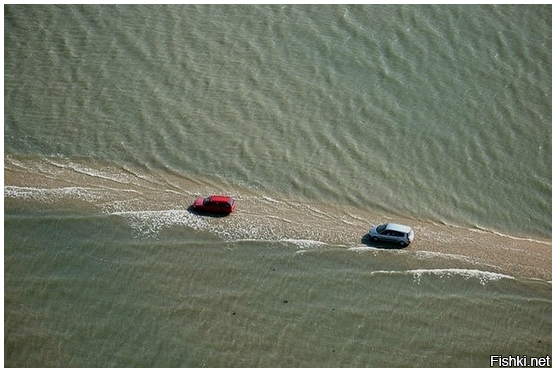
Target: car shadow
366	240
191	210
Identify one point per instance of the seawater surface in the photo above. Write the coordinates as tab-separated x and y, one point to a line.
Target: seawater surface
321	121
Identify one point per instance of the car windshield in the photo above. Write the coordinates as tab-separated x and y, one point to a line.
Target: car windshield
381	228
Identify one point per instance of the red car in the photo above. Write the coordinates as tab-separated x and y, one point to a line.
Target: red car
214	205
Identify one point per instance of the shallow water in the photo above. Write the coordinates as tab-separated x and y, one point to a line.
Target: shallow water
320	120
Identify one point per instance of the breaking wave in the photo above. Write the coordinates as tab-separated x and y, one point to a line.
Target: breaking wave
49	194
483	276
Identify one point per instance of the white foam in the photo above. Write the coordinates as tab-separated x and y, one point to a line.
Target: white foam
117	177
270	199
302	243
47	194
483	276
148	224
375	250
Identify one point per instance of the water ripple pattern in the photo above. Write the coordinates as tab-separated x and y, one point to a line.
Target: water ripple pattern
421	110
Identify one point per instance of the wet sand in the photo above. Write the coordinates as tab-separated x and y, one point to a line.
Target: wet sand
31	185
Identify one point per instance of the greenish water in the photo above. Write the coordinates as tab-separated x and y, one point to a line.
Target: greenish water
320	120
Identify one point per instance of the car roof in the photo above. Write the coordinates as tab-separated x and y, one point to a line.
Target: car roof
220	198
398	227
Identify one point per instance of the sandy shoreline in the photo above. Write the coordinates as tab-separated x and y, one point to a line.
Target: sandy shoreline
275	218
512	256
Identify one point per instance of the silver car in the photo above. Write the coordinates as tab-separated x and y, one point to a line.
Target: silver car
392	232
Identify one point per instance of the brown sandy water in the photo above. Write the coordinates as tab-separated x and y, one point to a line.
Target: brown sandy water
113	190
321	120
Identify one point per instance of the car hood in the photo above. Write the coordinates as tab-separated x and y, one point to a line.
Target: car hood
199	202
